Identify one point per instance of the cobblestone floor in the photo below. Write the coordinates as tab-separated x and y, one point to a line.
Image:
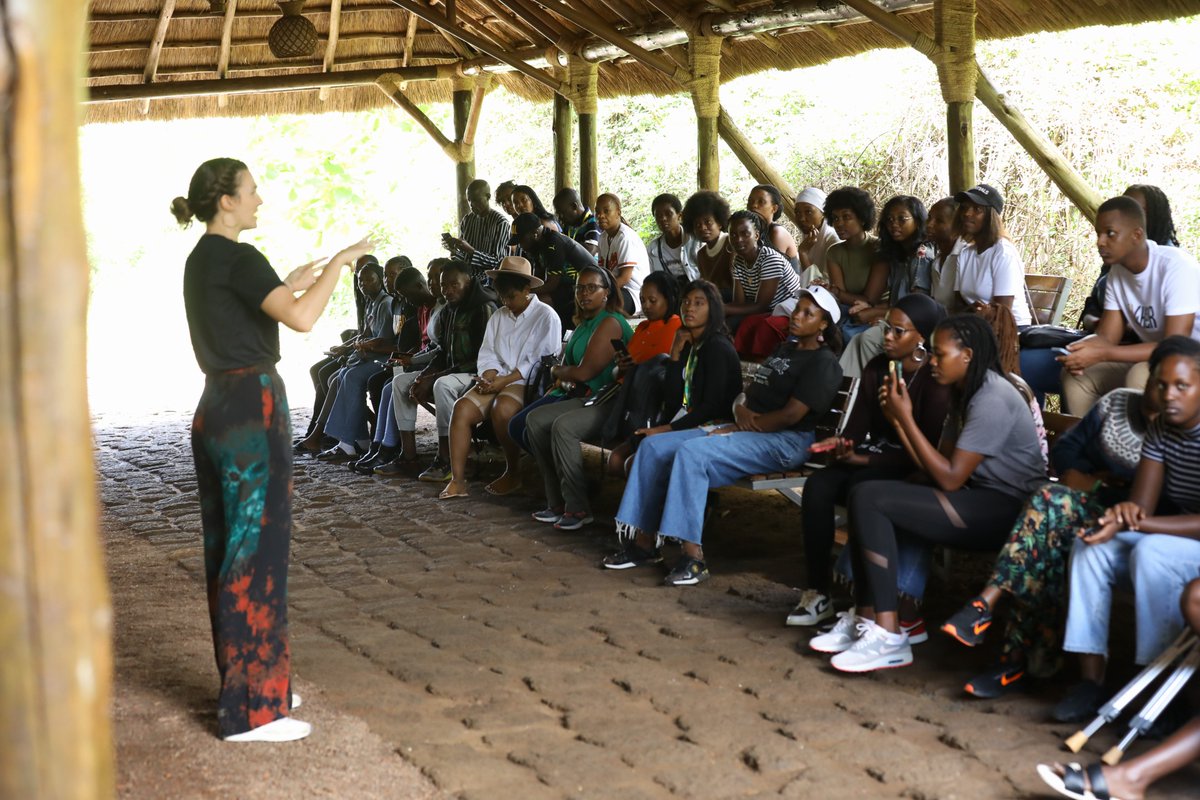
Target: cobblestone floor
493	653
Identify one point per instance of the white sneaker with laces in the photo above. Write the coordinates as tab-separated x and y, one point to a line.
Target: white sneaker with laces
284	729
813	609
842	637
875	649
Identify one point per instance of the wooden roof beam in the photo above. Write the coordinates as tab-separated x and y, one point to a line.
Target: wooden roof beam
273	13
263	83
410	36
335	29
160	36
492	50
529	10
226	47
589	20
515	23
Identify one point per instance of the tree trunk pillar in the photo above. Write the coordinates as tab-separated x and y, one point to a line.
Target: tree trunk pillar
954	29
755	163
464	163
55	614
563	143
580	87
704	59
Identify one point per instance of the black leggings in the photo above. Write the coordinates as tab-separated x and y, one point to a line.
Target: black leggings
968	519
824	489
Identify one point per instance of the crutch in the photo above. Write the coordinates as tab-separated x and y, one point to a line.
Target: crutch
1161	699
1113	708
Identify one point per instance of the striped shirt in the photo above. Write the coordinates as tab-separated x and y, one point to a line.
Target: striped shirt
488	234
770	265
1179	452
587	232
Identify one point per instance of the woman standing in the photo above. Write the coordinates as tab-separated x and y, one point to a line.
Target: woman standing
241	443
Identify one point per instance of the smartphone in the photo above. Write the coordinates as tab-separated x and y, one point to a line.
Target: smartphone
619	346
897	371
823	447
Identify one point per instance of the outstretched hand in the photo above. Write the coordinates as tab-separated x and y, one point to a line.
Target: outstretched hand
304	276
350	255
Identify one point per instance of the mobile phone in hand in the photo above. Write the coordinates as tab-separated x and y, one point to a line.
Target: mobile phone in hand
1060	351
619	346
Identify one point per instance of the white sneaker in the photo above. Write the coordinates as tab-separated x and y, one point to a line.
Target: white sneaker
844	634
875	649
284	729
297	701
813	608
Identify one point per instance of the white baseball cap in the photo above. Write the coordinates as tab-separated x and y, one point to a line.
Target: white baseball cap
825	299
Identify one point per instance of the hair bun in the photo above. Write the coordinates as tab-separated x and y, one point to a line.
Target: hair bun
181	211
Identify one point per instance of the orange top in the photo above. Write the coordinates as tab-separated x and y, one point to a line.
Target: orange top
652	338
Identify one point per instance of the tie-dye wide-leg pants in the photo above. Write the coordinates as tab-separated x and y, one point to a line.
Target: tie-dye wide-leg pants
241	443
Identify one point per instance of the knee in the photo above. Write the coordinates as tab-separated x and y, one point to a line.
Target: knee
1154	557
1189	604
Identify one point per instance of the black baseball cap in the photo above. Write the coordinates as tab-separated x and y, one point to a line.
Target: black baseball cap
526	223
983	195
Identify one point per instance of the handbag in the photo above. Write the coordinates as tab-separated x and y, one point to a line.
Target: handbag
540	382
1045	336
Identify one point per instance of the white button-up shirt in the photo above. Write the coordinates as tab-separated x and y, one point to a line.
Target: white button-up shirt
518	342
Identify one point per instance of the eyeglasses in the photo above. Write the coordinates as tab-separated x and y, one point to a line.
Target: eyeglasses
588	288
894	330
904	220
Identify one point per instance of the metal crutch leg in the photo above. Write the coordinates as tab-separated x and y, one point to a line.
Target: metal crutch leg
1113	708
1158	702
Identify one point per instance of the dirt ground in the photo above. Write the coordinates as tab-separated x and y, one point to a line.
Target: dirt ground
460	650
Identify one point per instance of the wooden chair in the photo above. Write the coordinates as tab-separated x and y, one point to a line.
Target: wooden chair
1047	295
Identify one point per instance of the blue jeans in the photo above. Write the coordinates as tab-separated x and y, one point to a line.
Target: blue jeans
386	432
348	418
912	566
672	473
1156	565
1043	373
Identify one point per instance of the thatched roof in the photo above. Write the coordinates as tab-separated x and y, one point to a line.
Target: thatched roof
373	35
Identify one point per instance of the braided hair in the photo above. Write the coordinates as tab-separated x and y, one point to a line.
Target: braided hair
973	331
1160	227
212	180
758	222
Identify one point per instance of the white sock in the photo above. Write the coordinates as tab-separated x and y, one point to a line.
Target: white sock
897	638
347	447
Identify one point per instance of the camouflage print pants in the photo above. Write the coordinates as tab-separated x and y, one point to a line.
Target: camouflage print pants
241	444
1032	568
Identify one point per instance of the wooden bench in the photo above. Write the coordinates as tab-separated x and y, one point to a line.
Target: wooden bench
1047	296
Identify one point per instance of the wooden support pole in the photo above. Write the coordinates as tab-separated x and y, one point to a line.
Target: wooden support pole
589	174
410	36
704	57
160	37
55	614
1044	152
563	141
464	168
392	90
960	145
754	162
331	41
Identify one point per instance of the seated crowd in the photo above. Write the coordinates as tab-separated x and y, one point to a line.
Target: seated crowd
923	309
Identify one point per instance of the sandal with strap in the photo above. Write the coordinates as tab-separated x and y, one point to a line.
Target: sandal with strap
1078	782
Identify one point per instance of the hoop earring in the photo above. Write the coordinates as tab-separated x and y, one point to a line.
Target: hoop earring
923	353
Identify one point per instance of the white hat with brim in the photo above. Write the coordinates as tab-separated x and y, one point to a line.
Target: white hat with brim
515	265
825	299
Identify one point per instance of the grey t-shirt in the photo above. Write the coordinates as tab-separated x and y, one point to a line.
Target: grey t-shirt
999	426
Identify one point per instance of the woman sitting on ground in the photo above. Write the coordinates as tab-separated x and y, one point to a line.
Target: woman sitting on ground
989	266
1151	541
856	275
518	336
555	431
909	256
705	215
869	448
674	249
762	280
767	201
773	430
818	235
588	356
1095	462
975	496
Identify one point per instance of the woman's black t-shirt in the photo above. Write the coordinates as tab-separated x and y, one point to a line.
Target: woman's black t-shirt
811	376
224	284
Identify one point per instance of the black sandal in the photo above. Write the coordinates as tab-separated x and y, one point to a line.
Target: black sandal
1079	782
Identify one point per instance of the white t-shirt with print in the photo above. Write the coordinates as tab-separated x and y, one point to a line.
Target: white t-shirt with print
625	249
1169	286
997	272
